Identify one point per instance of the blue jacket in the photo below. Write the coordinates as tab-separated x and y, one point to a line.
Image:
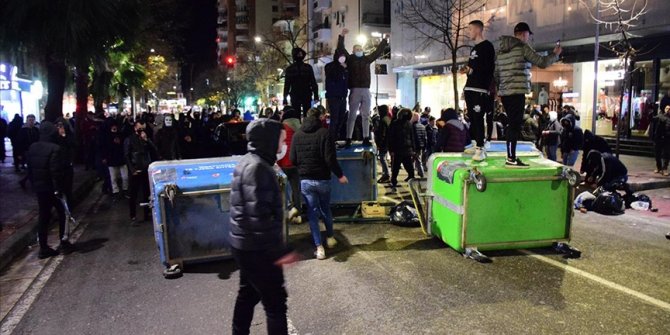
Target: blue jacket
337	77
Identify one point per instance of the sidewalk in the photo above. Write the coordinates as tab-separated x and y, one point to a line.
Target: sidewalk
18	208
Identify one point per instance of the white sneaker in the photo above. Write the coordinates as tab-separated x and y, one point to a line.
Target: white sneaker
480	154
331	242
487	145
293	213
320	253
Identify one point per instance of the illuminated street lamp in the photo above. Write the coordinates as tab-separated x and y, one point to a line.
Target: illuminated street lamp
362	39
258	39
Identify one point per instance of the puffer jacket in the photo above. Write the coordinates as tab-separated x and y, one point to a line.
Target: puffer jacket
529	128
313	152
572	137
420	136
359	67
255	198
513	64
46	166
401	135
453	134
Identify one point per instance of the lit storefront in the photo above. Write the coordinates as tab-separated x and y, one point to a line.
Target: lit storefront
18	95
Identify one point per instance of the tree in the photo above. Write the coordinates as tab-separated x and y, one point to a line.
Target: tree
621	16
65	32
443	22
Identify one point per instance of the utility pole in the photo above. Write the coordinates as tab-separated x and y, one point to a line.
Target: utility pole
596	51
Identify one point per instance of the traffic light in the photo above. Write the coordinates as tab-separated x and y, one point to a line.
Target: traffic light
230	61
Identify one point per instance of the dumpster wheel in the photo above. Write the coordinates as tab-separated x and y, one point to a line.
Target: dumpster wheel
173	272
478	179
567	250
573	177
474	254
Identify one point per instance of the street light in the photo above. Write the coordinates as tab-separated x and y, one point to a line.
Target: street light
258	39
362	39
152	50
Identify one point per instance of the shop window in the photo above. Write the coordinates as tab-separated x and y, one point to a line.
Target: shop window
642	107
664	82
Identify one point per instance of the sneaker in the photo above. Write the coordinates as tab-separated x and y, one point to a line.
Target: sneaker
46	253
480	154
658	171
331	242
384	179
487	145
347	143
666	173
133	222
366	142
293	213
66	247
320	253
515	163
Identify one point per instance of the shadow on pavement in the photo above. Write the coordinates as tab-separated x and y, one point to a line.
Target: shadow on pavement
83	247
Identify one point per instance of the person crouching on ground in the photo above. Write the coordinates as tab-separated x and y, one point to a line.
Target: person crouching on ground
256	237
313	152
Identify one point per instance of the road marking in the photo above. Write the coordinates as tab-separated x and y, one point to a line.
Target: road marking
600	280
22	306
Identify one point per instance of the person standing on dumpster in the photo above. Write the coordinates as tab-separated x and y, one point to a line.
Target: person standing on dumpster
359	85
313	152
256	234
300	83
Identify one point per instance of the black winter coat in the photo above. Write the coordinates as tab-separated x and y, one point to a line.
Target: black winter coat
26	136
167	143
572	137
300	81
313	152
593	142
337	77
401	137
256	212
420	137
46	167
139	154
114	151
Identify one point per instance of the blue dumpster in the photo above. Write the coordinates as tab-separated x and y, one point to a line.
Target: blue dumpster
359	164
190	206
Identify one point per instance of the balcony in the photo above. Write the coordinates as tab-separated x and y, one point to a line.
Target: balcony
322	33
242	26
242	38
321	5
376	19
223	18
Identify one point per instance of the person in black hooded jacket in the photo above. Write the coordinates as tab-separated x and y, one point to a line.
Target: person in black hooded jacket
300	83
46	170
336	92
401	145
593	142
255	225
572	140
313	152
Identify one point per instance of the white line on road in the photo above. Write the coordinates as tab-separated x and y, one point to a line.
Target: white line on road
600	280
22	306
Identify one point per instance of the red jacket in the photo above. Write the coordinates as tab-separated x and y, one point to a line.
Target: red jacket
291	126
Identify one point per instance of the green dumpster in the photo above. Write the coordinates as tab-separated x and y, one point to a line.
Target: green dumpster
479	206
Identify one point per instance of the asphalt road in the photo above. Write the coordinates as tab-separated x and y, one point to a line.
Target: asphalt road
381	279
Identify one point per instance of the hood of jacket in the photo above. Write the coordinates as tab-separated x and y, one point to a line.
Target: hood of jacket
293	123
568	121
311	124
449	114
48	132
298	55
337	55
508	43
263	138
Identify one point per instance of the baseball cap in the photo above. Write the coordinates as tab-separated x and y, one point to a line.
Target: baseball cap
522	26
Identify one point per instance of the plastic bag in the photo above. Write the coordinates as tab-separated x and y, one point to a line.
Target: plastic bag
404	213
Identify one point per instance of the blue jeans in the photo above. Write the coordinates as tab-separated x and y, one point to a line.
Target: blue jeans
317	198
570	158
382	159
551	152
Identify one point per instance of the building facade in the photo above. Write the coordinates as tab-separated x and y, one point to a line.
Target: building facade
367	21
424	76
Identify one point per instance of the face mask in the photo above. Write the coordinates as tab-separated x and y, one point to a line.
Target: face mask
282	151
168	122
359	53
342	59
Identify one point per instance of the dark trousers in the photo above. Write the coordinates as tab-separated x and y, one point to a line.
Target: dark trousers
514	106
260	281
302	104
294	181
479	105
139	183
406	161
338	119
489	120
16	154
662	153
46	201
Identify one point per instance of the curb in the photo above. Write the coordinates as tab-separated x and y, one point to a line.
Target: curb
650	185
26	235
